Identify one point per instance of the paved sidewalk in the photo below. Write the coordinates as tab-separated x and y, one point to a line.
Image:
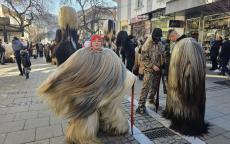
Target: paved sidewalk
24	118
217	107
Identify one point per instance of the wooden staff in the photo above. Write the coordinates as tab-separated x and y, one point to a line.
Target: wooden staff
132	108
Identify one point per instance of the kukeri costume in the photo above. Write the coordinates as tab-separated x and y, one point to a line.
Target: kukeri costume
88	88
185	104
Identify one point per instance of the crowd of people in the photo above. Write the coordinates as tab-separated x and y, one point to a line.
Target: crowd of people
91	79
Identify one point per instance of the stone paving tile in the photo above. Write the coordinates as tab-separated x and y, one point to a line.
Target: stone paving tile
17	109
227	134
11	126
43	113
26	115
64	126
58	140
7	118
218	140
55	120
146	122
48	132
213	132
2	138
221	123
3	111
20	137
34	123
46	141
37	107
20	100
106	139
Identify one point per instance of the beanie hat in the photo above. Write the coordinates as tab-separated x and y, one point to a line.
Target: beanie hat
157	33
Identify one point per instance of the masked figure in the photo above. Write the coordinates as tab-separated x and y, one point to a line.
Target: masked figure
185	104
88	88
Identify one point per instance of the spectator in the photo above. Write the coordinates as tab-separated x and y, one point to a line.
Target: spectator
214	52
17	46
127	49
225	56
2	53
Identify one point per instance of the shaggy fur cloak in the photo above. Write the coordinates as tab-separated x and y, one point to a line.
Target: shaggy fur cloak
67	20
88	88
185	104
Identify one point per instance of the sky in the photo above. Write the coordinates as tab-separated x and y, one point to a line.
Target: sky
55	4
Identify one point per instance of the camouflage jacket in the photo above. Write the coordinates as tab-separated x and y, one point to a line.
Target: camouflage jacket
151	54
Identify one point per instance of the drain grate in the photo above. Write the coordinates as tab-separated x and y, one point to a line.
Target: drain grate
158	133
225	83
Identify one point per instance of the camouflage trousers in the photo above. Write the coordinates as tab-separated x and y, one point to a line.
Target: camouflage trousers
150	86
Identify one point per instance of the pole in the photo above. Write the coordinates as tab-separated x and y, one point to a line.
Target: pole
132	108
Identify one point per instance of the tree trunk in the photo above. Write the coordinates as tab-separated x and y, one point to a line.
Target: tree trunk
22	31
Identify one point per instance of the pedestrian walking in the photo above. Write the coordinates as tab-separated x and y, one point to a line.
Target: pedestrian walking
214	52
17	46
40	49
2	53
225	56
151	57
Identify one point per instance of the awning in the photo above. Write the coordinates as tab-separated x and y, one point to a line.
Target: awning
198	6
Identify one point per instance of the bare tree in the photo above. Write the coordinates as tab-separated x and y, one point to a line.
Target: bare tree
91	13
25	11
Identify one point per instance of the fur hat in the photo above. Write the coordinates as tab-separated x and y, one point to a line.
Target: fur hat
157	33
67	17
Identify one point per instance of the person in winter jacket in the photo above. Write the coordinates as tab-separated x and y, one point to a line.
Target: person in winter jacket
151	58
225	56
17	46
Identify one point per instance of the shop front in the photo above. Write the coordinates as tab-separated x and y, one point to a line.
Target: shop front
193	26
140	27
205	28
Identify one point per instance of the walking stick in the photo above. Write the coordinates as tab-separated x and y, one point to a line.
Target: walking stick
132	107
158	89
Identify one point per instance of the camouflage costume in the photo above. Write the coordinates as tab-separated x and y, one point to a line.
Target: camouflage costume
151	55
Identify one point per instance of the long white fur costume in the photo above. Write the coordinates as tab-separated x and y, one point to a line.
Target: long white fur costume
185	104
88	88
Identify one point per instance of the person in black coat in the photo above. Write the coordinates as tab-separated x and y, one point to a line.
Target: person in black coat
225	56
214	52
127	49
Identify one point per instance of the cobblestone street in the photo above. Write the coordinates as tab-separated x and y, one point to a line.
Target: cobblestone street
25	118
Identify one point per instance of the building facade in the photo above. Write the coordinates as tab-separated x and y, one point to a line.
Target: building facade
200	19
8	25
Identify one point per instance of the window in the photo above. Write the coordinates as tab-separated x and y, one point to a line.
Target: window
139	3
